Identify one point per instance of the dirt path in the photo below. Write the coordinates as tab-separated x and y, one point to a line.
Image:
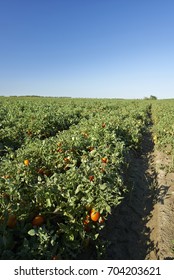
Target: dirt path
142	227
162	222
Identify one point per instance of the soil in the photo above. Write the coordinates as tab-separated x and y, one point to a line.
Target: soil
142	226
162	222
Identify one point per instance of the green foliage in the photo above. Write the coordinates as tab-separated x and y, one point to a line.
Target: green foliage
77	152
163	119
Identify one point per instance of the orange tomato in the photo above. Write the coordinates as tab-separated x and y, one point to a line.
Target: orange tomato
66	159
104	160
91	178
26	162
95	215
6	176
11	223
38	221
86	223
87	220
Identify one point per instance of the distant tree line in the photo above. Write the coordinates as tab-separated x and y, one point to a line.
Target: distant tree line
152	97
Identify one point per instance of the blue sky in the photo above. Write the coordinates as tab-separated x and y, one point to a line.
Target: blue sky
87	48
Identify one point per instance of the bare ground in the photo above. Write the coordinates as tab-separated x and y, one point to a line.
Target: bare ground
162	222
142	227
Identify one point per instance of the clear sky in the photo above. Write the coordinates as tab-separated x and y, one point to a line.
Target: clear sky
87	48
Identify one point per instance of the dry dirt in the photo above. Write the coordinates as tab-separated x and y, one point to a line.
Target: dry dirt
142	227
162	222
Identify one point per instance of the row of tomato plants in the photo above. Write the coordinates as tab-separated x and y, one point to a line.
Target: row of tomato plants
57	193
25	119
163	128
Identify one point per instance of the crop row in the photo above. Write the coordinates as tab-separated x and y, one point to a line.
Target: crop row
23	120
163	129
57	193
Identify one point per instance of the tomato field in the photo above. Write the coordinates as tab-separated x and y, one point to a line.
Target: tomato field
63	169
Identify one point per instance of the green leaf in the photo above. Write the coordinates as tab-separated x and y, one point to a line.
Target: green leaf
48	202
78	189
108	209
71	237
103	187
31	232
96	236
39	179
